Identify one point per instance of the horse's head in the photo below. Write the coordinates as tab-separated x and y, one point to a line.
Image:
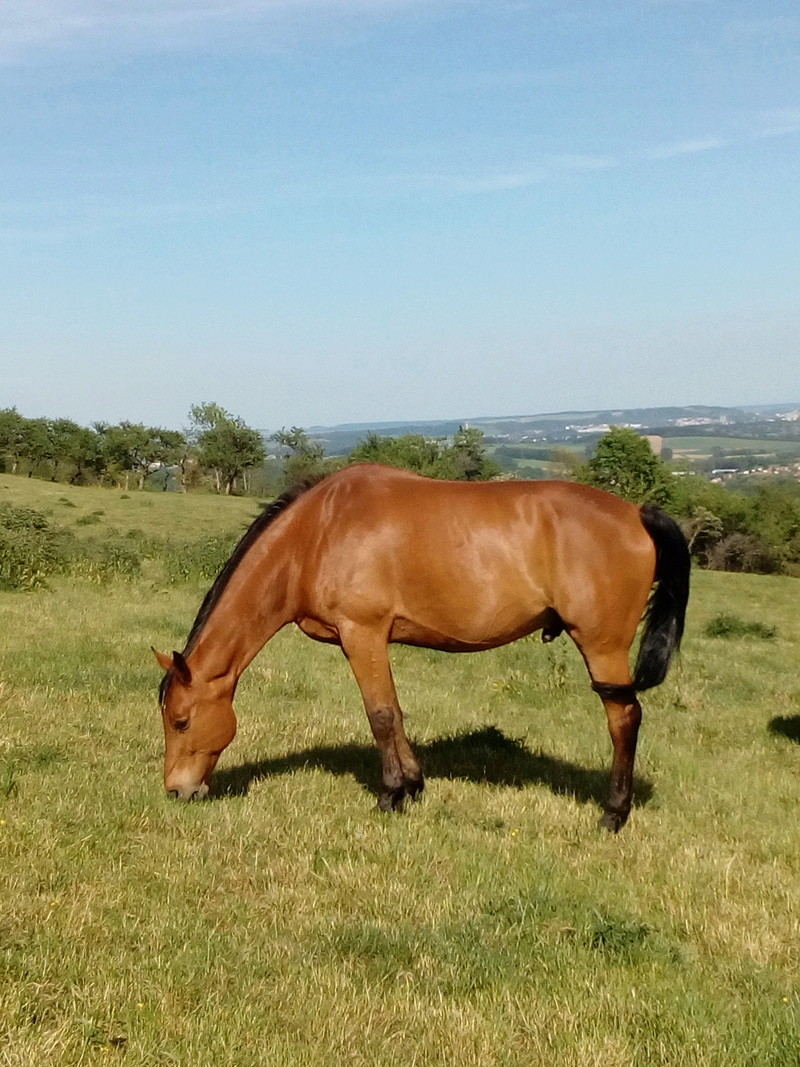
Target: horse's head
198	724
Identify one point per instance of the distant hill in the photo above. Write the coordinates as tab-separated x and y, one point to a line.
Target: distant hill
773	420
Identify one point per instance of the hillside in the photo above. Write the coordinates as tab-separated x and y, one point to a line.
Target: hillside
780	421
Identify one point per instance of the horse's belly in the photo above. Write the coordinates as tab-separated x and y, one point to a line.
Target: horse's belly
462	637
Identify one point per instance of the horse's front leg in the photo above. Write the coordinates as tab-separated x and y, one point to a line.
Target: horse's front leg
368	655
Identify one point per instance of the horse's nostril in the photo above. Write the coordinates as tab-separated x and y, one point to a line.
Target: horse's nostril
173	793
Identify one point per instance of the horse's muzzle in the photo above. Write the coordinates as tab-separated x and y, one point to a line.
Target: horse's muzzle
192	792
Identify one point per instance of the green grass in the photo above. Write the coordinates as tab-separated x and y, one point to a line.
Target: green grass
92	511
286	922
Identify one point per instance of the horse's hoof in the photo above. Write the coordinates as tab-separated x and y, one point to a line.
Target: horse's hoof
414	788
391	800
613	821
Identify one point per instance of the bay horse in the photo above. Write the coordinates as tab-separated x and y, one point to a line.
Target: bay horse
371	555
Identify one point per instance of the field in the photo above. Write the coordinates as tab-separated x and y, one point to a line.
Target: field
703	446
286	922
765	450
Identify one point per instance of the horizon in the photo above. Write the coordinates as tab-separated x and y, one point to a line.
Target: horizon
399	424
325	212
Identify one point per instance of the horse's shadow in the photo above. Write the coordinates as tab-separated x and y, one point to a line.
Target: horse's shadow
483	756
786	726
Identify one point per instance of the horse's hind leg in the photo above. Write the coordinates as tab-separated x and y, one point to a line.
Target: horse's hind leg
368	655
612	682
624	716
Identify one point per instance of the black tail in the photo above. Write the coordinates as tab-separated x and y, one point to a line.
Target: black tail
666	611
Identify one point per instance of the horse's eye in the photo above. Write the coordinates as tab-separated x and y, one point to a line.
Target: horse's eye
180	724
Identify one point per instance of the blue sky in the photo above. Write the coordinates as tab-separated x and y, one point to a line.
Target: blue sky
323	211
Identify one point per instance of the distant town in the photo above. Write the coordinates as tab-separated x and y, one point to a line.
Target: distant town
723	443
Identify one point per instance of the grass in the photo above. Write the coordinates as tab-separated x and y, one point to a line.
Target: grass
286	922
180	516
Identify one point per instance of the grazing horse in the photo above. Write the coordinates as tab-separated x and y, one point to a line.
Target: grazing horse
372	555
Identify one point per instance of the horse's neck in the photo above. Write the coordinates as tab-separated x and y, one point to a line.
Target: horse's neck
252	607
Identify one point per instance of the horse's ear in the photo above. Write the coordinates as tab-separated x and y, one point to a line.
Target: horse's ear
164	661
181	668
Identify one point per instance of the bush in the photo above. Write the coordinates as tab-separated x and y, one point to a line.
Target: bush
193	561
30	548
745	553
100	561
726	625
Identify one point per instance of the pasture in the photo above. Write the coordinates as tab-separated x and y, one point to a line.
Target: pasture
766	449
286	922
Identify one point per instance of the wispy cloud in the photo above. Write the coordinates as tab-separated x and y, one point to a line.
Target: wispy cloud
63	24
752	127
686	148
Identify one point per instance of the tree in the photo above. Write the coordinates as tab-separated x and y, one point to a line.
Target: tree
125	450
77	446
12	436
306	459
564	461
412	452
468	457
464	460
168	448
776	517
625	464
224	443
37	443
703	530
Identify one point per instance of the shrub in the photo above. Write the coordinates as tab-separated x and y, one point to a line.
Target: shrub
88	520
193	561
745	553
100	561
30	548
726	625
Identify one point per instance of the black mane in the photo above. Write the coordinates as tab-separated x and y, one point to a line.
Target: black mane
253	532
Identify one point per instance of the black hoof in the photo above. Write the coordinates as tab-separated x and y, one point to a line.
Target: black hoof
613	821
414	787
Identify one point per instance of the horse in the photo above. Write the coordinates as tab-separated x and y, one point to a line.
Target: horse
372	555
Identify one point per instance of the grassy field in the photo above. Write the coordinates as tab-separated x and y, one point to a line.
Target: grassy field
93	511
286	922
702	447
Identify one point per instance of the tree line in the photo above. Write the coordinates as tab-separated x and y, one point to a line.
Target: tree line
751	527
217	450
216	445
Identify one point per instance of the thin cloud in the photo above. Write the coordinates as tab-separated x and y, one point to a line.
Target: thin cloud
686	148
63	24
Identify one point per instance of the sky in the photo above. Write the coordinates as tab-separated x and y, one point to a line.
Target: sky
323	211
